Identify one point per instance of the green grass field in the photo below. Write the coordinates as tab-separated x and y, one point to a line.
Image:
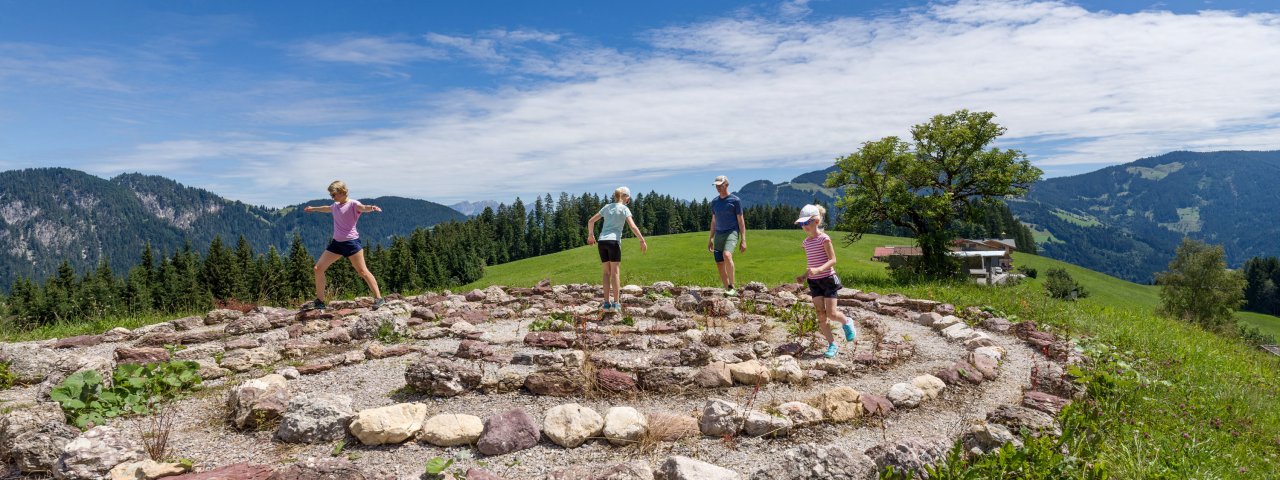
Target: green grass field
1173	400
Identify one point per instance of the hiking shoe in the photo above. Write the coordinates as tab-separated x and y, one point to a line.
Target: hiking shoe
849	334
606	307
316	304
378	303
832	349
732	292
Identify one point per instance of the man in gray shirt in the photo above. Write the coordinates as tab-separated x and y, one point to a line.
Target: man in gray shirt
728	229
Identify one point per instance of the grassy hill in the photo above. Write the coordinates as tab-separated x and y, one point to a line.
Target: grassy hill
1168	400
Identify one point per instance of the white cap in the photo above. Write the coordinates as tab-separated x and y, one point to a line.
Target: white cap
809	211
721	180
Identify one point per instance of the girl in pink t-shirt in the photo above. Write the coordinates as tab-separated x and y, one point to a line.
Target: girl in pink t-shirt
344	243
820	274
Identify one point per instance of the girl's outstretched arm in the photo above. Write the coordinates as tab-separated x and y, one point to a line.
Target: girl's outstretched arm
591	229
370	208
644	246
324	209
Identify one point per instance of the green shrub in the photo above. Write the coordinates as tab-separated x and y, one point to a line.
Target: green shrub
388	334
136	389
1060	285
1028	271
1252	336
7	379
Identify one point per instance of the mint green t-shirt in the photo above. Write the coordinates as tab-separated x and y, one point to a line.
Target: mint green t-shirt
615	219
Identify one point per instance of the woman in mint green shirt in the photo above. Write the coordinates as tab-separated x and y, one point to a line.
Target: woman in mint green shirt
616	215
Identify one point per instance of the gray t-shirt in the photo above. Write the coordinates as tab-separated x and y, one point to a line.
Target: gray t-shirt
615	219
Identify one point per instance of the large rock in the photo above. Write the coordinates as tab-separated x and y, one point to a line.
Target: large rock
624	426
71	365
320	469
931	386
801	414
720	417
840	404
905	395
761	424
245	360
636	470
390	424
442	378
750	372
452	430
235	471
33	438
259	401
811	462
146	469
908	455
92	455
714	375
1018	418
988	437
141	355
554	383
1044	402
570	425
368	324
222	316
613	381
685	468
508	432
316	418
248	324
786	369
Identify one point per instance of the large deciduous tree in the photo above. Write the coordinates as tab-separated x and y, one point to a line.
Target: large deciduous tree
1198	287
943	175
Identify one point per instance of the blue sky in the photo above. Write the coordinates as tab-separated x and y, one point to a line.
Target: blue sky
267	102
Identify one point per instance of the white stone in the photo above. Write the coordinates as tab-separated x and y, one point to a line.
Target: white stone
571	424
931	385
452	430
624	425
905	395
391	424
786	369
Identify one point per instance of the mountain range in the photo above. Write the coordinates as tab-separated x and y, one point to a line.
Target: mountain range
48	215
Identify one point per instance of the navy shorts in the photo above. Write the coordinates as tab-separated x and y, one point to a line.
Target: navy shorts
825	287
344	248
610	250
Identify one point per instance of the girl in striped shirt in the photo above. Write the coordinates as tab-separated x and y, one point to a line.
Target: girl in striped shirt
821	276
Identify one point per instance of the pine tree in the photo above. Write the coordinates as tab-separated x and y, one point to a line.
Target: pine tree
246	273
299	280
219	273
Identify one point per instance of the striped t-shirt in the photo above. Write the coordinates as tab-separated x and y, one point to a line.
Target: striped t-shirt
815	249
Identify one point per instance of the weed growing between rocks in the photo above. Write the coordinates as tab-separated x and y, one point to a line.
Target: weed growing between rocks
6	377
388	334
156	431
135	390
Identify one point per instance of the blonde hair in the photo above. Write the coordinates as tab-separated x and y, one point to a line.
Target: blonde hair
621	192
822	215
337	187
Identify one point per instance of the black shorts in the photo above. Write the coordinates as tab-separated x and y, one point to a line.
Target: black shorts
610	251
344	248
825	287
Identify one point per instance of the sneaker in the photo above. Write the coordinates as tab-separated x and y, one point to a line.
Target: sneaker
732	292
378	303
606	307
316	304
849	334
832	349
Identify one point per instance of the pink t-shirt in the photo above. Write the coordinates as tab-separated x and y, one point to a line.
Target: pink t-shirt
815	251
345	216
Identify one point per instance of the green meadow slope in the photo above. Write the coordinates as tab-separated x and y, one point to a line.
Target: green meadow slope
1168	400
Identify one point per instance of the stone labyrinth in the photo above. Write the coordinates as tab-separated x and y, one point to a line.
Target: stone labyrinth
533	383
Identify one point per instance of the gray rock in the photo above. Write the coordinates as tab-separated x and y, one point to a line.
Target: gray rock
684	468
320	469
245	360
988	437
1018	418
905	395
71	365
222	316
258	401
442	378
367	324
810	462
720	417
29	364
908	455
760	424
33	438
316	418
93	454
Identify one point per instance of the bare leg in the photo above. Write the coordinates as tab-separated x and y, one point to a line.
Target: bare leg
327	258
820	304
724	277
357	261
605	278
728	267
833	312
615	278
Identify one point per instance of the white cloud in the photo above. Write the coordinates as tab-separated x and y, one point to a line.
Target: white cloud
748	92
380	51
37	64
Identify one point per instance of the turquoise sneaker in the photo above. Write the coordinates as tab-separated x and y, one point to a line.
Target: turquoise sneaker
832	349
849	334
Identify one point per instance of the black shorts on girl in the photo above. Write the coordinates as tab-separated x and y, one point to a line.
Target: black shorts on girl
825	287
345	248
610	251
